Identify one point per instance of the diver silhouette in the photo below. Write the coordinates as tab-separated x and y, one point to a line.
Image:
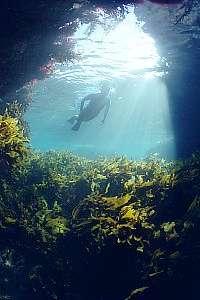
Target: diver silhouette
96	103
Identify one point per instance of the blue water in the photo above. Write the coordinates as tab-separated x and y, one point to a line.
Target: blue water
139	121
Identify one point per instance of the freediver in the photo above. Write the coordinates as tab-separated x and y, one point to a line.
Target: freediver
96	103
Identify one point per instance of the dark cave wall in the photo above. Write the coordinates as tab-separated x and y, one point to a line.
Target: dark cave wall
179	44
27	32
184	103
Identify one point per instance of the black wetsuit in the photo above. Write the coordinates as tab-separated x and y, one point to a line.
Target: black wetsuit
96	103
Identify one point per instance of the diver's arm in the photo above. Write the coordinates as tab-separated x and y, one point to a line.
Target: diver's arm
87	98
82	105
106	111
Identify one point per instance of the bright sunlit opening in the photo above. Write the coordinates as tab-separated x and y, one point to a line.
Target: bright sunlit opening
138	122
123	51
134	48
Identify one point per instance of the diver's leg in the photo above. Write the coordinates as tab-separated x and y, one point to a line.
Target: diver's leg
73	119
77	125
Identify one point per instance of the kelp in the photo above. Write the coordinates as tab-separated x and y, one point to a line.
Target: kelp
50	221
78	210
111	217
12	142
